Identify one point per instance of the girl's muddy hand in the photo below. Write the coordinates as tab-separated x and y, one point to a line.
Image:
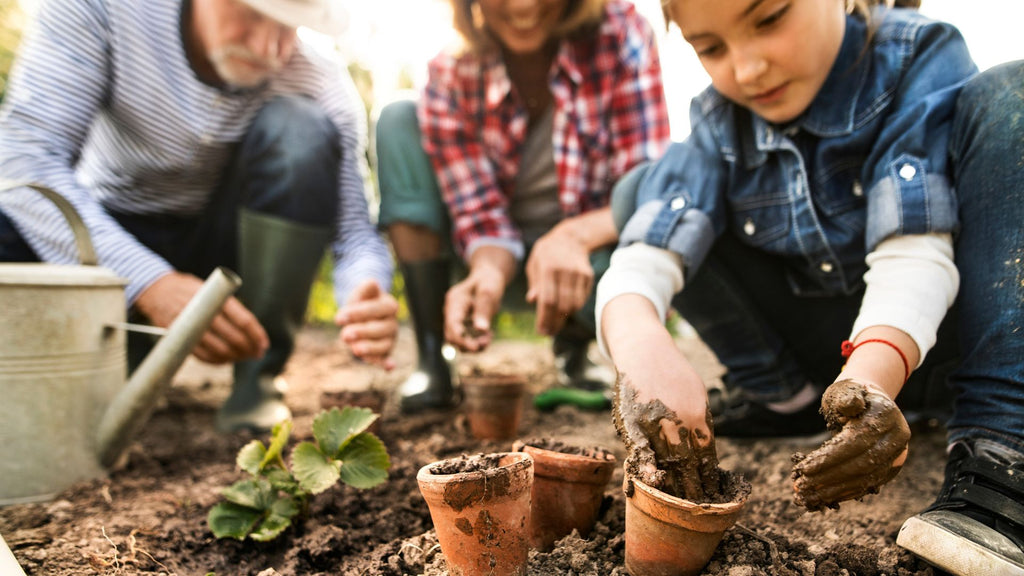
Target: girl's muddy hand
662	452
867	450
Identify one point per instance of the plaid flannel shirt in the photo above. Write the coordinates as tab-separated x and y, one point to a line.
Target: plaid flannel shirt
609	115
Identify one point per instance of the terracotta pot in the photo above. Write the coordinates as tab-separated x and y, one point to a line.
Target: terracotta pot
481	513
669	536
493	405
568	489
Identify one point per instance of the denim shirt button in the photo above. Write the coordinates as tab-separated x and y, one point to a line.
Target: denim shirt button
907	172
749	228
858	189
677	204
826	267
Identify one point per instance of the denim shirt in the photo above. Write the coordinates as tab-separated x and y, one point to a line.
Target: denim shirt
867	160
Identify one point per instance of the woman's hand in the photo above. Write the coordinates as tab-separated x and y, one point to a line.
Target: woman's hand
867	450
369	324
235	333
559	275
560	278
470	304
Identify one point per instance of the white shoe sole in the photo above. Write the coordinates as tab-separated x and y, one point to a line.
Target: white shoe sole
951	552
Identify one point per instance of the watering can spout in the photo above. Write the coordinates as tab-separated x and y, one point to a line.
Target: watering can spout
134	403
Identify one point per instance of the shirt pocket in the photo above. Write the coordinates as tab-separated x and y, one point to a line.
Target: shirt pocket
841	190
763	221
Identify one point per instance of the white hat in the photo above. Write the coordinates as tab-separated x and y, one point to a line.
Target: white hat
324	16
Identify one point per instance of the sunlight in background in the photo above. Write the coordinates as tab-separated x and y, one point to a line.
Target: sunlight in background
394	39
390	36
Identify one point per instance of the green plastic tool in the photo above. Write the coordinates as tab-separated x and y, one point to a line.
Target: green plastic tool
583	399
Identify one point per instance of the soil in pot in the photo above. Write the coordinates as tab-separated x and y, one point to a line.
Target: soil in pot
568	488
480	507
493	404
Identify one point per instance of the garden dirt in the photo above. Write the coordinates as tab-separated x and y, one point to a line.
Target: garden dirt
149	516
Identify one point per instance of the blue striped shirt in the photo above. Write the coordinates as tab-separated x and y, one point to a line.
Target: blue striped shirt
104	107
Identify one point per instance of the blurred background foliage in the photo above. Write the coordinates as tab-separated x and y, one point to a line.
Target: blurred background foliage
12	21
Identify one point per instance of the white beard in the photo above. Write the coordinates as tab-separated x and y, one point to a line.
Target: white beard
230	63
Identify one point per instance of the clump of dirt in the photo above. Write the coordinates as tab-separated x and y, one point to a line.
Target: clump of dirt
465	463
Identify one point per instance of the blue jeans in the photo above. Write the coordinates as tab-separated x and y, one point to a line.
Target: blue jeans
772	342
286	166
409	193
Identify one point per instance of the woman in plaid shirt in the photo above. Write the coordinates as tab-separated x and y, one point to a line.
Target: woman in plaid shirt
513	149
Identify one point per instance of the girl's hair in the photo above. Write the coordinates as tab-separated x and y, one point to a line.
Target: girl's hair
860	7
468	20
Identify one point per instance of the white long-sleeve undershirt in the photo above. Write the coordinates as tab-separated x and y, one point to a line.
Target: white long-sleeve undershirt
910	284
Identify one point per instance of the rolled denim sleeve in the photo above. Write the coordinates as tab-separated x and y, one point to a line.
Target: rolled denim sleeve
910	190
681	199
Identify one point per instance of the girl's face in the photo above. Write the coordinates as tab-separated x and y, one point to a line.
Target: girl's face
522	26
771	56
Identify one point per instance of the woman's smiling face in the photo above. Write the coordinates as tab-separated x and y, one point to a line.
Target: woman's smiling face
771	56
522	26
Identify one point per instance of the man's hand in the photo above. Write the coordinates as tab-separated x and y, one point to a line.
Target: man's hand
235	333
867	450
369	324
560	278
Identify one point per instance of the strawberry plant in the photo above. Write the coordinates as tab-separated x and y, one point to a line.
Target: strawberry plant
263	506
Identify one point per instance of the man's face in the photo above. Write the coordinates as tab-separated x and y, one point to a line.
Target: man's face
244	46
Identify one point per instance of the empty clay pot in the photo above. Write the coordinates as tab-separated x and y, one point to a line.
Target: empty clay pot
568	489
669	536
480	507
493	405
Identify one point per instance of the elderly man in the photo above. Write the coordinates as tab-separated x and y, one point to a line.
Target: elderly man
191	134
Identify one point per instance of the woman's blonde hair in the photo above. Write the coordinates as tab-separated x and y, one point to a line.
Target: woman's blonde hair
469	22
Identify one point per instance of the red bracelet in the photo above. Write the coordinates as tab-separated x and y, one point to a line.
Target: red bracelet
848	348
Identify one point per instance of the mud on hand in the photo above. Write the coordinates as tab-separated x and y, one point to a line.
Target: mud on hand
661	452
867	449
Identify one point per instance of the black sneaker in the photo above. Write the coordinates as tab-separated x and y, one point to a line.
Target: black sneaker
738	415
976	525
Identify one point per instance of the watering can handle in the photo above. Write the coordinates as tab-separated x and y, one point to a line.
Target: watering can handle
86	253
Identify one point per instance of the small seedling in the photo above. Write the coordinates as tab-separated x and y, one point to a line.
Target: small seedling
261	507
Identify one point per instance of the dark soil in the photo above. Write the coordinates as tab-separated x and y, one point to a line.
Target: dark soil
149	516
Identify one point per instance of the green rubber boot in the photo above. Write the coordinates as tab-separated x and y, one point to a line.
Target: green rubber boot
432	385
277	260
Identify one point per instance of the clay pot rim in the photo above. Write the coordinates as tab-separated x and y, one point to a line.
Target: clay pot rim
689	506
609	457
519	460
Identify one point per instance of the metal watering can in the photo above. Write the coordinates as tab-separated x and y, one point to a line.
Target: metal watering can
66	413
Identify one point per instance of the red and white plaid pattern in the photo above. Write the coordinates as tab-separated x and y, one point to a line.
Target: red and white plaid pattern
609	115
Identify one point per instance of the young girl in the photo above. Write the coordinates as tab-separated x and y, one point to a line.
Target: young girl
511	152
838	162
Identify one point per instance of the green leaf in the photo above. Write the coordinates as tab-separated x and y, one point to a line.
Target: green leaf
280	518
281	479
314	471
250	457
365	461
254	493
335	428
227	519
278	439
